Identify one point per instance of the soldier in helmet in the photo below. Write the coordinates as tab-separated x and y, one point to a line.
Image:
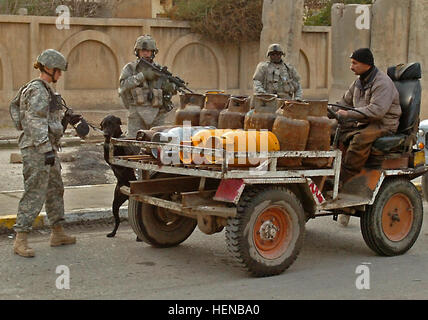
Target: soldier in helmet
277	77
43	122
144	94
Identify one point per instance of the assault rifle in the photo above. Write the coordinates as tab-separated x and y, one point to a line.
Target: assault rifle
164	73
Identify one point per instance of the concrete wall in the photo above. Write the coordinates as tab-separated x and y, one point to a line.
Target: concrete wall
282	23
97	50
345	38
396	35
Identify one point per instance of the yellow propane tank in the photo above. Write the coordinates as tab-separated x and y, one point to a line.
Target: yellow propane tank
200	140
242	141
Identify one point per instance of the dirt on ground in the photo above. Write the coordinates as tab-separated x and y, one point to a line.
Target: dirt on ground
81	165
88	167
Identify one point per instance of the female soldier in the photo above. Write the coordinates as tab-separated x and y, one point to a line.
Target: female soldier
43	123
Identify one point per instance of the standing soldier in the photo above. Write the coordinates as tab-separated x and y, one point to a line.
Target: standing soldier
144	93
41	118
277	77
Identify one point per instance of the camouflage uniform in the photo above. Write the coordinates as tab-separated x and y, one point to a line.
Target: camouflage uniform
281	78
134	91
42	133
141	92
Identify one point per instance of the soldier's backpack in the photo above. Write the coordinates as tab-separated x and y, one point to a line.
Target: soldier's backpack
14	107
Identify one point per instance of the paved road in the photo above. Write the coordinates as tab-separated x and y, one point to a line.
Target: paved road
201	268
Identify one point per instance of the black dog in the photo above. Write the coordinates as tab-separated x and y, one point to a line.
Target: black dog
111	128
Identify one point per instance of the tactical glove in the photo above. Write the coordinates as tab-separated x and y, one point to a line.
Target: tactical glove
49	158
150	74
74	119
70	117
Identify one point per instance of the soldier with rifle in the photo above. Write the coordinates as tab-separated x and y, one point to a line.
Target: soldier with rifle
146	88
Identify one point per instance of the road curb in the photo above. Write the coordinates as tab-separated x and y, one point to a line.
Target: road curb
65	142
80	216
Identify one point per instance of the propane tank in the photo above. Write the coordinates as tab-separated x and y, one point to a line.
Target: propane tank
243	141
234	115
190	108
202	138
319	140
175	136
320	132
317	108
215	102
262	114
292	130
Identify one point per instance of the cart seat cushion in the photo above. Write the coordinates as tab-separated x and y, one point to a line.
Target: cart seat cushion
389	143
406	79
410	101
403	72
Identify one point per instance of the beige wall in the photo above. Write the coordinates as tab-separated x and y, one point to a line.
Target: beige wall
97	50
396	35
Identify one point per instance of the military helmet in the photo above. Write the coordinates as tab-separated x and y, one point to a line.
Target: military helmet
145	42
52	59
275	47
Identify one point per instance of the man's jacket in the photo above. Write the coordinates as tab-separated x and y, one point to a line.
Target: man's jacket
377	97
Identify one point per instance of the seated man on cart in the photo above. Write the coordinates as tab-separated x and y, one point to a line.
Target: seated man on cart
376	101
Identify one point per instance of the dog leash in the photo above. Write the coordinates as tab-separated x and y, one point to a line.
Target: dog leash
94	127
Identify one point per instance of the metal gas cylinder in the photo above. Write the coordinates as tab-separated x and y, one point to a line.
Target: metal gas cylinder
320	132
243	141
319	140
203	139
190	108
234	115
292	130
175	136
317	108
215	102
262	114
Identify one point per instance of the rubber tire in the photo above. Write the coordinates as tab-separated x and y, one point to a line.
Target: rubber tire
425	186
240	242
151	230
371	220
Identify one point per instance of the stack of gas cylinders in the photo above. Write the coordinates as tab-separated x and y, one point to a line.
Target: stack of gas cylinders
260	123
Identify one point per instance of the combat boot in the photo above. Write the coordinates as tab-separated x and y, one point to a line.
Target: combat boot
21	247
58	237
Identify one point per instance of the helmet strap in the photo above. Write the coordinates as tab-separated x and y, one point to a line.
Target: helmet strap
49	74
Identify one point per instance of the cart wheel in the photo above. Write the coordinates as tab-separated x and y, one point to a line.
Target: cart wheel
267	234
392	224
157	226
